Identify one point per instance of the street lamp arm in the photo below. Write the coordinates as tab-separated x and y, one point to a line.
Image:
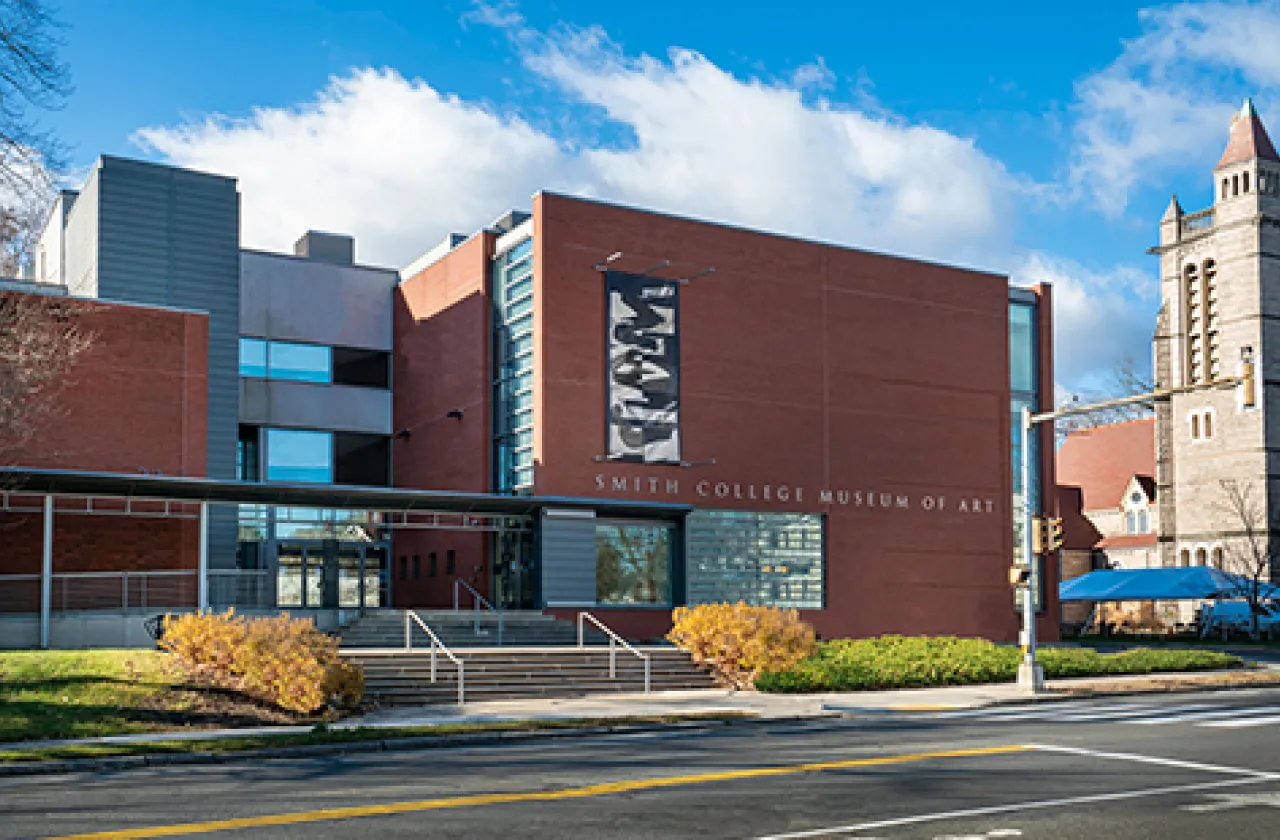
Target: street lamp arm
1150	396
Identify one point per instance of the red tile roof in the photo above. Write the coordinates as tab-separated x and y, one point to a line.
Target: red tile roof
1248	139
1101	461
1129	541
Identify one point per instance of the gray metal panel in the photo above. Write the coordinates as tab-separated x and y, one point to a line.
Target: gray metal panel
308	405
172	236
296	299
567	548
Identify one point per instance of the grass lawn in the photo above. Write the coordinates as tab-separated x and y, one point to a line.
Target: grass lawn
46	695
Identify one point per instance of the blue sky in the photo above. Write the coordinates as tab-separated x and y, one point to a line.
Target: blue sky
1040	140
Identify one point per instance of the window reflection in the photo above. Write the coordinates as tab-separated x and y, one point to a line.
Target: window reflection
633	563
299	362
253	357
770	559
294	455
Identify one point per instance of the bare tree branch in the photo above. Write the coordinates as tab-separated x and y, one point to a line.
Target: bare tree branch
1249	557
40	341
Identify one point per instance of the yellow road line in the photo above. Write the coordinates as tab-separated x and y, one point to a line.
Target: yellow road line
328	814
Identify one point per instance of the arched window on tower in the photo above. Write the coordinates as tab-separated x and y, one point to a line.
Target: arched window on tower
1209	290
1235	184
1245	181
1193	312
1218	558
1184	558
1202	557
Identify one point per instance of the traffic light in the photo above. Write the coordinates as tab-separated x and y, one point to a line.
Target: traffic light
1037	535
1020	576
1054	533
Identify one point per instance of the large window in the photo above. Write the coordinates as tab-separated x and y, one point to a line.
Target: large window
513	368
1024	386
294	455
298	362
633	563
772	559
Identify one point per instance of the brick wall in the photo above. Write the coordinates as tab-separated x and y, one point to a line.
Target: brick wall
136	400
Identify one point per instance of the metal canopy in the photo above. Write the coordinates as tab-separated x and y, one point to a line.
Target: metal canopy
161	488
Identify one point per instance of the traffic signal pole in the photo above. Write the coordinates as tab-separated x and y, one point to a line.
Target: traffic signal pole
1030	672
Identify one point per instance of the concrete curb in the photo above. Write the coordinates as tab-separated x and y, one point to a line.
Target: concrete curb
463	739
1059	696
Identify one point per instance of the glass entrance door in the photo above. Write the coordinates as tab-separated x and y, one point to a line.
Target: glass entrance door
376	583
292	559
513	572
362	570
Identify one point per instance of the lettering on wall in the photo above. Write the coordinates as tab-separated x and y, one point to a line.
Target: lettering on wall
791	494
644	369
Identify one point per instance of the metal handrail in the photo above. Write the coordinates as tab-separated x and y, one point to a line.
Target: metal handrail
435	643
614	641
477	601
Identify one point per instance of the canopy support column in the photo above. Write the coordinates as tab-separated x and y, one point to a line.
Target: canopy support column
202	564
46	574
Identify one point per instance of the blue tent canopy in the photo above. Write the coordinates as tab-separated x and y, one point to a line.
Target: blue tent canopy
1165	584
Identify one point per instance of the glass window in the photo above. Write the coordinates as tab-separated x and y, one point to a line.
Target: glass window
633	563
299	362
299	456
1131	522
772	559
1144	522
253	357
1023	358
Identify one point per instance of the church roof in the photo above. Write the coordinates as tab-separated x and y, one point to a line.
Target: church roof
1101	461
1248	139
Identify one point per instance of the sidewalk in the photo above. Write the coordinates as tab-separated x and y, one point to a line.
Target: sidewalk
712	702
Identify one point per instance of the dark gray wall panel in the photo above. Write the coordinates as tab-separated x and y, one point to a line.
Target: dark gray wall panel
567	550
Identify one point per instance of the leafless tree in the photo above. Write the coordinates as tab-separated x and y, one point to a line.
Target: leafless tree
41	339
32	78
1250	558
1127	381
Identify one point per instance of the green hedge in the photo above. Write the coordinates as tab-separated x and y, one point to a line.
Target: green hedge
922	662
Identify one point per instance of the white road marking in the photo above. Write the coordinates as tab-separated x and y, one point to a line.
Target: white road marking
1159	760
1230	801
1133	713
1245	712
1043	709
1014	808
1239	724
1250	777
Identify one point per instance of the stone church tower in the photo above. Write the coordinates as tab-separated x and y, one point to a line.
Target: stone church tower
1220	304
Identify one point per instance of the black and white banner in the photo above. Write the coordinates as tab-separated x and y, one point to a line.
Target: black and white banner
644	368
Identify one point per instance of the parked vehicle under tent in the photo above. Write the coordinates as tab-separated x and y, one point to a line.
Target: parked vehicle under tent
1195	583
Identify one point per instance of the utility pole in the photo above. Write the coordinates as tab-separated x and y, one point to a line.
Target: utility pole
1030	672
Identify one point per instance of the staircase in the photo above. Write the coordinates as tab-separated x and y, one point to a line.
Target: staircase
538	659
520	628
403	678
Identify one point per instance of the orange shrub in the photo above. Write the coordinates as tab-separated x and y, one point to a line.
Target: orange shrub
741	642
282	660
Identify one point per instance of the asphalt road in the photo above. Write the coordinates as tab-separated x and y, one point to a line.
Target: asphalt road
1184	766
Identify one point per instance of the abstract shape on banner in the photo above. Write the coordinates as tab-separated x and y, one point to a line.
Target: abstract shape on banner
644	369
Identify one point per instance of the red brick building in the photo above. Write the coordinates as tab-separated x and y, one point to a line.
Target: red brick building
863	397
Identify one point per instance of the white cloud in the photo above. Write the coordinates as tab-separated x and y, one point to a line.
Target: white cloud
399	164
1100	318
1165	102
394	162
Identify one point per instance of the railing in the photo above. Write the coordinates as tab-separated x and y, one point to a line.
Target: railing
19	593
614	641
240	588
476	602
1196	222
101	591
411	616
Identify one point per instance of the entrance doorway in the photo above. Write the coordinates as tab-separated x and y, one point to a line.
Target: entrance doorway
316	574
514	576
